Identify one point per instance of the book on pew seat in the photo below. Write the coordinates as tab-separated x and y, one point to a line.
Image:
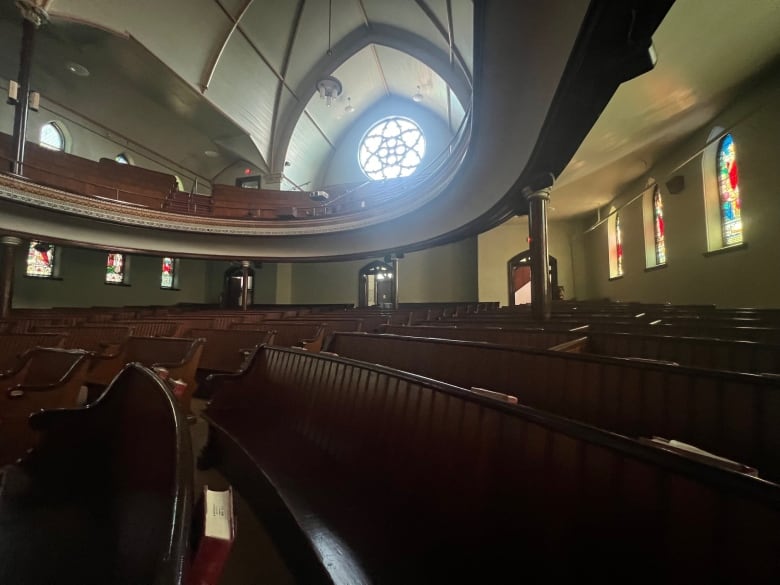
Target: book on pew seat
693	452
219	532
500	396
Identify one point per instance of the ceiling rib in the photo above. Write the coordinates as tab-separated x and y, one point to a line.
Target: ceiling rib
285	65
365	14
451	42
443	32
381	69
208	73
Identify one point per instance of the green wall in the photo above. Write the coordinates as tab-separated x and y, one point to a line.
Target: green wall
744	276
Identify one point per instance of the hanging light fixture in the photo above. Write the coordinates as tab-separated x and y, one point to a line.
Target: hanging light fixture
329	87
349	109
418	97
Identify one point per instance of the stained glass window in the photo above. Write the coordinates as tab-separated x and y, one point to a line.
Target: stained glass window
728	188
52	137
115	269
168	272
40	259
618	246
391	148
658	227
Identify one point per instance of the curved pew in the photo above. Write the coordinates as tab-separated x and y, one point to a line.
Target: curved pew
106	496
365	474
13	345
226	350
731	414
49	378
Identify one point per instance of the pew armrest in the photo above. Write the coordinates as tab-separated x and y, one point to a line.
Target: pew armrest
578	345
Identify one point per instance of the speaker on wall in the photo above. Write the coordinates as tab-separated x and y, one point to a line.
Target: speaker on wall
676	184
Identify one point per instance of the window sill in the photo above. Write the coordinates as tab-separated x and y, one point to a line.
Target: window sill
117	284
656	267
43	277
611	278
733	248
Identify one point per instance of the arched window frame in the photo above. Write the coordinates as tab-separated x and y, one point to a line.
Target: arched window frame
615	240
43	260
59	130
713	208
654	226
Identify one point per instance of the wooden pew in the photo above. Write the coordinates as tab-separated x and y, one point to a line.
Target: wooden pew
180	356
225	350
106	496
49	378
13	345
364	474
730	414
538	338
287	334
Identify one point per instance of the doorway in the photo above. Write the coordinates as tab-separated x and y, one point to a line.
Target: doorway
519	272
376	285
232	285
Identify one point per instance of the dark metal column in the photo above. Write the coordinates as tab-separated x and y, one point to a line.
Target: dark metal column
9	245
34	14
395	282
541	295
244	284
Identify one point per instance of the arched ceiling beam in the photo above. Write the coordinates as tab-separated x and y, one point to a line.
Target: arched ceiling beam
208	72
445	33
352	43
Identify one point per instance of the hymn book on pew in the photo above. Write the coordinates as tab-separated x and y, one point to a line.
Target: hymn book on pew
693	452
216	540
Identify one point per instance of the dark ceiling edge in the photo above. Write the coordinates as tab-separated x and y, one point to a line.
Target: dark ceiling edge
612	47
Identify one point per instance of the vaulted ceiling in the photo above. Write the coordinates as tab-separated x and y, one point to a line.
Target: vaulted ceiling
238	77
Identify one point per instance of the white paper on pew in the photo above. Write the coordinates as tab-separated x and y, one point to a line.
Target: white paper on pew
683	448
500	396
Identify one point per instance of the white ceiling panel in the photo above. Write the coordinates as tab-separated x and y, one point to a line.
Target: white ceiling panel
183	39
412	18
361	82
269	24
311	44
307	155
463	30
245	87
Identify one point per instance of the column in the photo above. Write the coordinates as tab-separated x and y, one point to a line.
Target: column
244	284
9	245
541	296
34	14
395	280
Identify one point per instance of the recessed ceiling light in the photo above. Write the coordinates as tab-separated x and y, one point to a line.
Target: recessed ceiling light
211	153
77	69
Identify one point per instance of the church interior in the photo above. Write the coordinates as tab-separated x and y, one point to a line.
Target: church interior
295	247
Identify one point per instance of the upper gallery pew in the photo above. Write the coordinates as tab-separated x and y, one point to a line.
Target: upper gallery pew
733	415
106	496
49	378
235	202
105	179
364	474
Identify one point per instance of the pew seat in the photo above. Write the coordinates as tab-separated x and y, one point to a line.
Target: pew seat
364	474
106	496
49	378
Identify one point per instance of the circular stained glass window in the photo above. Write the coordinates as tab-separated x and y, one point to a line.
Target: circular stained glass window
392	148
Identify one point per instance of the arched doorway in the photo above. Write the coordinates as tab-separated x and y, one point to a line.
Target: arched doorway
376	285
232	284
519	270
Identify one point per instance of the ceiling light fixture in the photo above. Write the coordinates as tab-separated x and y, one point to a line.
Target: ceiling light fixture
418	97
77	69
329	89
349	109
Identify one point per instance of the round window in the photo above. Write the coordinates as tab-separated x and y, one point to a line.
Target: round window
392	148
